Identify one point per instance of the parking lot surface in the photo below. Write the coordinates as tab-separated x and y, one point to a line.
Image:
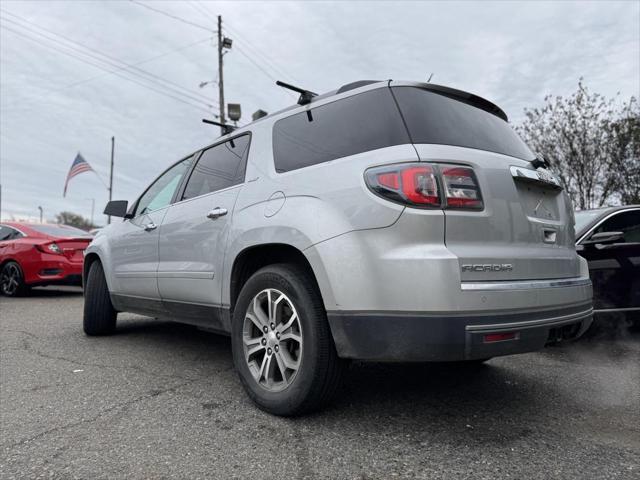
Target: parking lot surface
161	400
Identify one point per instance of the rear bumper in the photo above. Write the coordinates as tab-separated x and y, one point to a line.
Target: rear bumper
395	336
53	270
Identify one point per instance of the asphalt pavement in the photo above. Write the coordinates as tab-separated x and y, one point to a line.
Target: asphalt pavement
161	400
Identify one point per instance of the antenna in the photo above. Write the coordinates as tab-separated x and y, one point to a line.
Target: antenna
305	95
225	128
430	77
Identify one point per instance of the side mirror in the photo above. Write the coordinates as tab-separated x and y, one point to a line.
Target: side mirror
603	238
117	208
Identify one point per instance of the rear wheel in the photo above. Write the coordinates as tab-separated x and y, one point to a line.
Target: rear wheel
99	314
12	280
282	346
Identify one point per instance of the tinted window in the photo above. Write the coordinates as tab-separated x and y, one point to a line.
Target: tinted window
219	167
364	122
59	230
8	233
435	118
584	217
160	193
626	222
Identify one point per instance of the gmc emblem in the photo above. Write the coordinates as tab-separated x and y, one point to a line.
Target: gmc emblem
487	267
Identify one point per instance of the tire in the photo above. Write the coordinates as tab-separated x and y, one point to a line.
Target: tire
12	280
315	381
99	314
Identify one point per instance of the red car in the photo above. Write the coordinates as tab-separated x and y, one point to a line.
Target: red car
40	254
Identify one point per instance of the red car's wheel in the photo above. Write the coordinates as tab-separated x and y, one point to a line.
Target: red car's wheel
12	280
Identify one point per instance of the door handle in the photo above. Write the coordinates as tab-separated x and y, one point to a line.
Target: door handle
217	213
150	226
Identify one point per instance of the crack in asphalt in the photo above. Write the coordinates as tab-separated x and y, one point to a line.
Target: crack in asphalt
27	347
150	394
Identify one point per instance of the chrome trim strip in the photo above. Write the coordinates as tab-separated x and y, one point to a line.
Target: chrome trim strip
141	274
185	274
531	323
525	284
544	177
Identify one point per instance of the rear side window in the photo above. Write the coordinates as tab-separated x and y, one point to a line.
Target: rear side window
435	118
8	233
625	222
219	167
356	124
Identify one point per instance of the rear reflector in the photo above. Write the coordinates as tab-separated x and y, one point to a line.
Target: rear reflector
426	185
499	337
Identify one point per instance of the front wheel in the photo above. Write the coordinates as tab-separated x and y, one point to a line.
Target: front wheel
12	280
99	314
282	346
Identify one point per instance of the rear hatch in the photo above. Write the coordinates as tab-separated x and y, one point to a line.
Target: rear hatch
524	230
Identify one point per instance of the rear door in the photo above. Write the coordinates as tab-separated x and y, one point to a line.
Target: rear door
525	228
615	268
194	232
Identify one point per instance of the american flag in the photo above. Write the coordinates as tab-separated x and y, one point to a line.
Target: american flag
78	166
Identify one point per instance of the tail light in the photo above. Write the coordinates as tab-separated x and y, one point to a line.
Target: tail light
50	248
426	185
461	187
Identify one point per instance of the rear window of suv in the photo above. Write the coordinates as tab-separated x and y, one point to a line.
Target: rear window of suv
363	122
435	118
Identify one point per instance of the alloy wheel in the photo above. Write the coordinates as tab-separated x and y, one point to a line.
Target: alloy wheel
10	279
272	340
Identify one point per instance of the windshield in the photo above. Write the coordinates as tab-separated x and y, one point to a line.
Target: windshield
436	118
585	217
60	231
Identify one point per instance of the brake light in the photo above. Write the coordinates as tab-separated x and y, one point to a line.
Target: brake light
420	186
426	185
50	248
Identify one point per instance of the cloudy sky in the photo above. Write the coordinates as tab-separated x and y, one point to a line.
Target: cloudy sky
73	74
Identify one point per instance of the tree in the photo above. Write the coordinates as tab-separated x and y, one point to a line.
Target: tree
593	144
624	151
74	220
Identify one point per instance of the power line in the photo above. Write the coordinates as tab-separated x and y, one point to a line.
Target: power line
58	49
260	67
202	8
175	17
86	80
265	58
153	77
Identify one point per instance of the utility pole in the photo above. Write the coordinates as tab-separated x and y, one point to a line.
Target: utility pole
220	79
93	206
113	143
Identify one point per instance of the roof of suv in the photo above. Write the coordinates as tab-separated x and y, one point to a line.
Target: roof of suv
459	95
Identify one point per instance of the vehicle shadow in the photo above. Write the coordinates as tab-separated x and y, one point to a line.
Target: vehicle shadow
54	291
498	402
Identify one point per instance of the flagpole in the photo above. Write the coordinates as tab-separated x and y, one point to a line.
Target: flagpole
113	141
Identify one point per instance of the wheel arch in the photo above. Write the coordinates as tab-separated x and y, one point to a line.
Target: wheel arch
89	259
253	258
10	259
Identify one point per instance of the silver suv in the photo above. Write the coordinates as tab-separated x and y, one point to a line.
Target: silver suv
384	221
